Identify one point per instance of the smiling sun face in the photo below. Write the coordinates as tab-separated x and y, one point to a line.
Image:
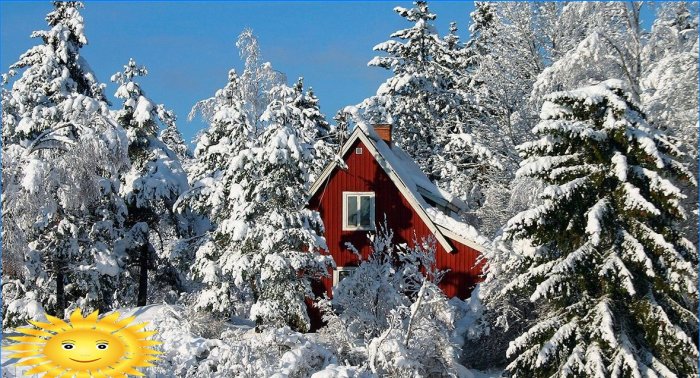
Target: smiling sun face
85	347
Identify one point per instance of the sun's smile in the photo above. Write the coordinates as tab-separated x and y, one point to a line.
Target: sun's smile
84	361
85	347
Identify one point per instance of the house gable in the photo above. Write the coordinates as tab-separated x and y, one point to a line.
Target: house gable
359	138
401	173
362	174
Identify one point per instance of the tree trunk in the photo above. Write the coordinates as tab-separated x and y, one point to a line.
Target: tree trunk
60	292
143	274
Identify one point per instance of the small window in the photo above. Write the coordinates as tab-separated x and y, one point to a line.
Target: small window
341	273
358	211
358	150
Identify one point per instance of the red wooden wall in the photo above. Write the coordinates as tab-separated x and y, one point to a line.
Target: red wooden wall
364	174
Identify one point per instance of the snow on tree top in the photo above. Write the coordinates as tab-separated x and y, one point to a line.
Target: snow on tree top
590	96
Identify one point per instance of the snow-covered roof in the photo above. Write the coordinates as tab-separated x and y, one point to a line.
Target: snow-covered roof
434	205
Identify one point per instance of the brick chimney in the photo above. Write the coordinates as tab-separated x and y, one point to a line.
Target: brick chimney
384	132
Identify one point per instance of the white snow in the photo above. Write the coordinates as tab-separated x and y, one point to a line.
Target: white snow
595	215
620	166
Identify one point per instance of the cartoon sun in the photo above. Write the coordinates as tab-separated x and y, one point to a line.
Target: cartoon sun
85	347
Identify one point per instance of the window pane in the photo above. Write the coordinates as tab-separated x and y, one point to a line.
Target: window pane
342	274
365	203
352	211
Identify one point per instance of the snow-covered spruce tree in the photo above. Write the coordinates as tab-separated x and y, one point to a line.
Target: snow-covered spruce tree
423	101
150	187
315	127
341	129
221	166
407	94
278	251
172	137
520	52
62	155
613	279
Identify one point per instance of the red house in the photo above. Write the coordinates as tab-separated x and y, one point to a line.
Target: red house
379	179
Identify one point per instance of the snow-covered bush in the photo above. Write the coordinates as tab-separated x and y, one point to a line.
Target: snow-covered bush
389	315
366	297
19	306
236	351
419	339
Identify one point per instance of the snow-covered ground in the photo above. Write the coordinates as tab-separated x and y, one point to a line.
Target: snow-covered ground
238	351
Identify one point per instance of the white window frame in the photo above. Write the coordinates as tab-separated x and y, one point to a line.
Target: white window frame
337	270
372	205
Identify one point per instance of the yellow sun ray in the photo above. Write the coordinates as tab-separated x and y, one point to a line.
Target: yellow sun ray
38	369
34	332
24	354
126	321
56	321
136	327
85	346
77	320
99	374
49	327
31	361
110	318
27	339
23	347
53	371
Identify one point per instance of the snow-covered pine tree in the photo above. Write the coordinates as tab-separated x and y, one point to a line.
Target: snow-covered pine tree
407	94
226	173
222	166
341	127
521	52
278	251
62	155
482	19
150	187
315	127
614	280
424	103
172	137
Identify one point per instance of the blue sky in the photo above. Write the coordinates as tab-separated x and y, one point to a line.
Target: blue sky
188	47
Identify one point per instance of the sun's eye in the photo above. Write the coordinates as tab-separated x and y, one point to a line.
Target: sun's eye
68	346
102	346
